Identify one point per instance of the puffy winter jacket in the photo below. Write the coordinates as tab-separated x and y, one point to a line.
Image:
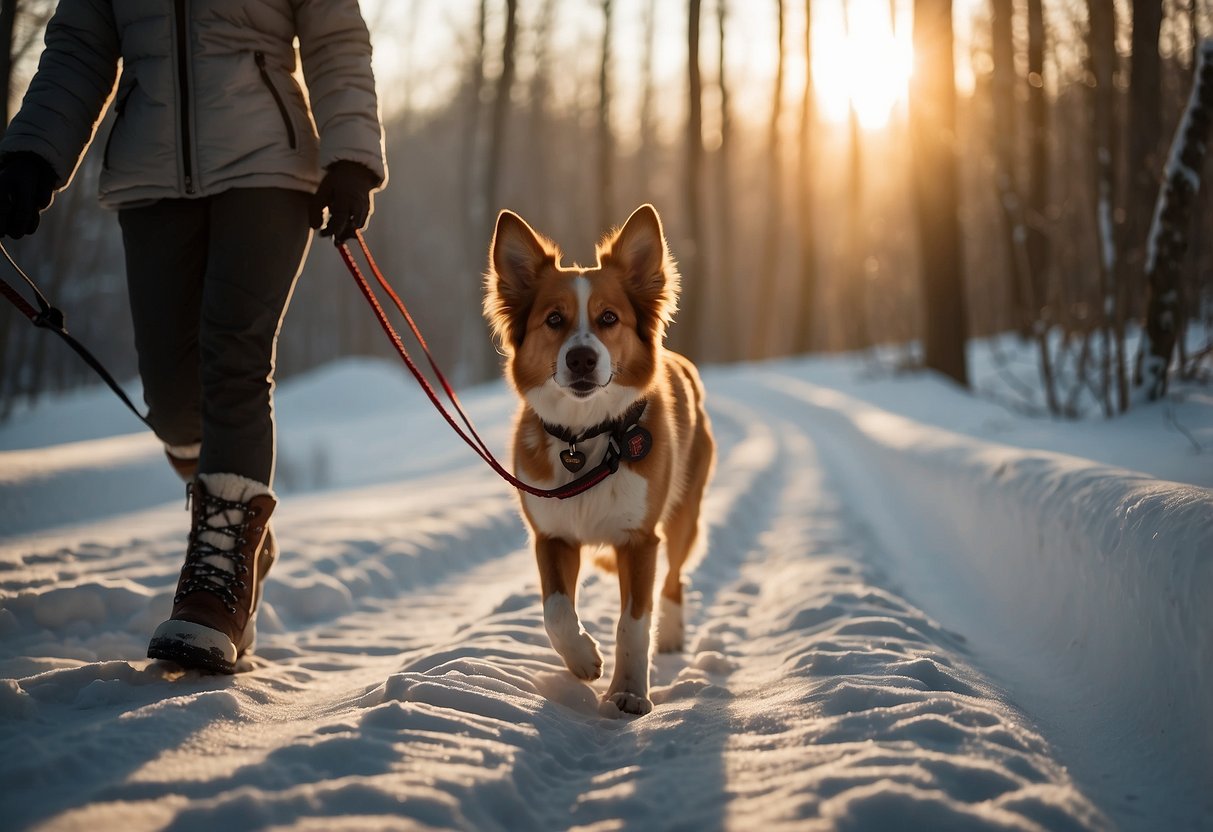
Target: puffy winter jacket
207	99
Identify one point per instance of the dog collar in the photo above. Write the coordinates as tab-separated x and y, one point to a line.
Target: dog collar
628	439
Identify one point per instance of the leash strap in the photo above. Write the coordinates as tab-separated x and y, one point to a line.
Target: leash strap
610	462
51	318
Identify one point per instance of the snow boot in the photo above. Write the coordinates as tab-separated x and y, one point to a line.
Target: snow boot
230	552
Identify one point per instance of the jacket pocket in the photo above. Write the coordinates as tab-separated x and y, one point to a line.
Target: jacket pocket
119	110
259	57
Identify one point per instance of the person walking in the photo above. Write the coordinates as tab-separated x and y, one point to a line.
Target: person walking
220	167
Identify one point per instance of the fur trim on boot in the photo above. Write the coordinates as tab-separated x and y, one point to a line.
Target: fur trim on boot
228	556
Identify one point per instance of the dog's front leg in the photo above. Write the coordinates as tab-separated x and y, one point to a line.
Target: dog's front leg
637	561
559	562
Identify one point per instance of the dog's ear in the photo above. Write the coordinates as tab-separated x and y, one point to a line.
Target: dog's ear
516	256
650	276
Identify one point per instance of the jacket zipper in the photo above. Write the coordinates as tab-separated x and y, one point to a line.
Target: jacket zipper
259	57
183	90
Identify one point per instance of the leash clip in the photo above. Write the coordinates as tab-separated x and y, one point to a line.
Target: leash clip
50	317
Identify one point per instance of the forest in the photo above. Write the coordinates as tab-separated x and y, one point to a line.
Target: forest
834	175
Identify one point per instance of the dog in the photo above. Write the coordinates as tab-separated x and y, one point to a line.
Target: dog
584	350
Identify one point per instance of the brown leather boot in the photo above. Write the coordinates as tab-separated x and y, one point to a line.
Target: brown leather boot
213	618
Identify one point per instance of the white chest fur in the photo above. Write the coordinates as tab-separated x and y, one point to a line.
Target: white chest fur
604	514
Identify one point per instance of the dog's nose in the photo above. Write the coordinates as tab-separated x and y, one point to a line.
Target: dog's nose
581	361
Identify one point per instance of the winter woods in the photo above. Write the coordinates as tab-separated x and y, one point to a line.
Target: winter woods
817	197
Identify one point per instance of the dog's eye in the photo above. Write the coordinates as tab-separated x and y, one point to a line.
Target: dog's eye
555	320
608	318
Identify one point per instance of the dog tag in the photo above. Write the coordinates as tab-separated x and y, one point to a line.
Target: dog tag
573	460
636	444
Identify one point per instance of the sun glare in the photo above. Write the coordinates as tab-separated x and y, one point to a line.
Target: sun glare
864	65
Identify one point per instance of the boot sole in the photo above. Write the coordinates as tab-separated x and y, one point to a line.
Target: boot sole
193	646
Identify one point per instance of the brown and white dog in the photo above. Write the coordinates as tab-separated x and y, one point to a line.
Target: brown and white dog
584	351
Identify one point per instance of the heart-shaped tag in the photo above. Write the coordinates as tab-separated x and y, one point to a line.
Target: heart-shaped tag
574	461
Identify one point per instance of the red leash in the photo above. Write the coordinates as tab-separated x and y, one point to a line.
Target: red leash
609	464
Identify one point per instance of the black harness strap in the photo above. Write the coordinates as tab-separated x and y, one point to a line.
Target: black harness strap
50	317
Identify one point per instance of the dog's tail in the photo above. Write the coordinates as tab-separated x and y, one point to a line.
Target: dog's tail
604	559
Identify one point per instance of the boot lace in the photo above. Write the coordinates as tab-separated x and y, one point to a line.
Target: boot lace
205	575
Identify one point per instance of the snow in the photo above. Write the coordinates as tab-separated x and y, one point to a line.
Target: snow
917	610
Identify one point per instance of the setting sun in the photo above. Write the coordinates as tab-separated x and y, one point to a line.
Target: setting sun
864	64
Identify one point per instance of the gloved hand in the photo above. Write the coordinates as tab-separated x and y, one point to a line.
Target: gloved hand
27	183
346	192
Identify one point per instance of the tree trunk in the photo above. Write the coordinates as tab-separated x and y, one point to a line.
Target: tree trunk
479	354
729	287
606	142
1171	230
8	12
8	16
932	137
540	142
691	255
1038	162
648	140
806	178
769	257
501	108
475	209
1005	139
1101	49
1145	132
855	306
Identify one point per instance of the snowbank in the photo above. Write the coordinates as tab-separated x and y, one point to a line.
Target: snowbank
1087	586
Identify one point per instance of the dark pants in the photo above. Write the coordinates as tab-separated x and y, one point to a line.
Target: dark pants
209	281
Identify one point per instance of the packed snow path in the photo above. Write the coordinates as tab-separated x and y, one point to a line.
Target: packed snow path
403	676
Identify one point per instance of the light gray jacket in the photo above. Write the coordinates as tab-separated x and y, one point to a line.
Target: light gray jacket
206	100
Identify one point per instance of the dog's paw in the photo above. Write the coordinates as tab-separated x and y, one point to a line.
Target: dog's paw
582	657
575	645
629	703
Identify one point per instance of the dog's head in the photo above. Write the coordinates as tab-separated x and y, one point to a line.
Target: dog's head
581	344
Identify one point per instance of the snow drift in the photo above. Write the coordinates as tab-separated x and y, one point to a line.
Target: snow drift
1087	585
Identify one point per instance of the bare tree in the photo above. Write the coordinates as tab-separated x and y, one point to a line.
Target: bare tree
807	178
728	285
1171	230
540	142
692	258
932	138
1101	50
606	141
501	106
473	197
1038	161
8	16
855	306
1005	130
648	139
1144	126
768	269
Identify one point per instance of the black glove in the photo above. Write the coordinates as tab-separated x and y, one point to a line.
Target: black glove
346	192
27	183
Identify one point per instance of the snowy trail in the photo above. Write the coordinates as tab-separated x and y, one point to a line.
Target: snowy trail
403	674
